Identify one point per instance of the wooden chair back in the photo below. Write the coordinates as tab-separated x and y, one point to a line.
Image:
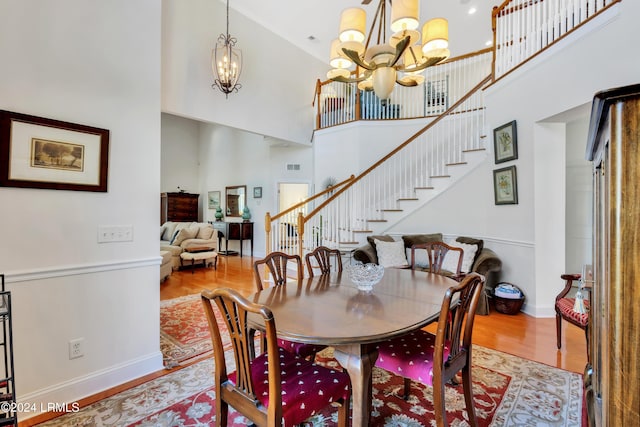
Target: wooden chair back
322	256
276	263
256	394
436	253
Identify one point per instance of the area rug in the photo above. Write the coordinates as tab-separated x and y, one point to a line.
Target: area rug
508	391
184	332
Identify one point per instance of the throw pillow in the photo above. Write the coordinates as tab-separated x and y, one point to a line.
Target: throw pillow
184	234
450	262
471	241
391	254
205	232
169	230
382	238
414	239
421	258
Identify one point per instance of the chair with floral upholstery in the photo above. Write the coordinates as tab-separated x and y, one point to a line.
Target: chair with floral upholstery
275	388
565	309
436	359
322	257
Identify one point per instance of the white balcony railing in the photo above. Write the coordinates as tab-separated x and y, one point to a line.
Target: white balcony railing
522	28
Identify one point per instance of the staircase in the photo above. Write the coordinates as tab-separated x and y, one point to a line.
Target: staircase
443	151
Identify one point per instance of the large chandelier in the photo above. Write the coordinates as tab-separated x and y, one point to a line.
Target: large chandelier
226	62
400	60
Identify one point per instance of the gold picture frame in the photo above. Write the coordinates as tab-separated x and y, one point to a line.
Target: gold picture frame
36	152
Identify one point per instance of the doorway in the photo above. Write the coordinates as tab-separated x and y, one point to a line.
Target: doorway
290	193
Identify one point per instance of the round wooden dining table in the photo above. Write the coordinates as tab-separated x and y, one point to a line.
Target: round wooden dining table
330	310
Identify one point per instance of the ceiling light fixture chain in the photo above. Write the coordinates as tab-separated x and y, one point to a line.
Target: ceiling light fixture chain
226	62
400	60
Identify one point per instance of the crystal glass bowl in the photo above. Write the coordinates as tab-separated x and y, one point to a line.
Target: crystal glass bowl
365	276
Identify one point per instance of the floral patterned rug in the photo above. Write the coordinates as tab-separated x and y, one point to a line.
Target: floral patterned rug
184	333
508	391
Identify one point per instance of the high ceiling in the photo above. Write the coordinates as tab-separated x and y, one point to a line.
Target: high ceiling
299	20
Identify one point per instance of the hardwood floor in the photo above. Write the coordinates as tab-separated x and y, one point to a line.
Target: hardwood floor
521	335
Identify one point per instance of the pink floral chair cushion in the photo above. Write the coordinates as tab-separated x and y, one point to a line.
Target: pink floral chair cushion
306	387
565	306
410	356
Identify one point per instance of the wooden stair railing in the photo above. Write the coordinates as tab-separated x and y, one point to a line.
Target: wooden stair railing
299	241
296	211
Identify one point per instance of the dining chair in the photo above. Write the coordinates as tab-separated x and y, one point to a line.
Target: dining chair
437	359
277	263
564	310
436	254
272	389
322	257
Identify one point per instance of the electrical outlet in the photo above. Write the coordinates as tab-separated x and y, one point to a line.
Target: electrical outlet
76	348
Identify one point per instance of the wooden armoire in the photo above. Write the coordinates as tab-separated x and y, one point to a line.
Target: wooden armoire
612	377
178	207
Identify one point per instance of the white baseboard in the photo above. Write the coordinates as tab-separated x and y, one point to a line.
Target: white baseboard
67	393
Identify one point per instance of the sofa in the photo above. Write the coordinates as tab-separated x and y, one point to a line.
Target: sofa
175	237
484	262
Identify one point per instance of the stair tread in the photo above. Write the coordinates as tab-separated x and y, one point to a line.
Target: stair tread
348	243
456	164
391	210
423	188
407	198
473	149
361	231
440	176
376	220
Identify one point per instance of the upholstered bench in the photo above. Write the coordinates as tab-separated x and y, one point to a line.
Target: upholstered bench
207	256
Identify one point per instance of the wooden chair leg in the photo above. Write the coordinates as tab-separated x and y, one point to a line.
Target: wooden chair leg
559	331
467	386
438	405
222	411
344	412
407	387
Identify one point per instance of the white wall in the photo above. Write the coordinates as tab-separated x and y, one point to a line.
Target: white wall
86	62
278	79
180	154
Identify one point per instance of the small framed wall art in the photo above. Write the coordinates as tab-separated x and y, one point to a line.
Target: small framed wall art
37	152
505	186
257	192
214	199
505	142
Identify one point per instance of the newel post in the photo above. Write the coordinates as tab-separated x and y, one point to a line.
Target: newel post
300	234
267	232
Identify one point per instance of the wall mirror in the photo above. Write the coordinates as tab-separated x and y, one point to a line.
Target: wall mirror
236	197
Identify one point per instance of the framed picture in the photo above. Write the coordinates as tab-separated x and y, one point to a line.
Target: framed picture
505	142
214	199
36	152
505	186
257	192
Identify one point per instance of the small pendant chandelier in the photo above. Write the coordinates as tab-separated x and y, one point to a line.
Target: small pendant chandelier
226	62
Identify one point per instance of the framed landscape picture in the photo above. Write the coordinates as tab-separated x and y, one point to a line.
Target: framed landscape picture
214	199
505	186
505	142
37	152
